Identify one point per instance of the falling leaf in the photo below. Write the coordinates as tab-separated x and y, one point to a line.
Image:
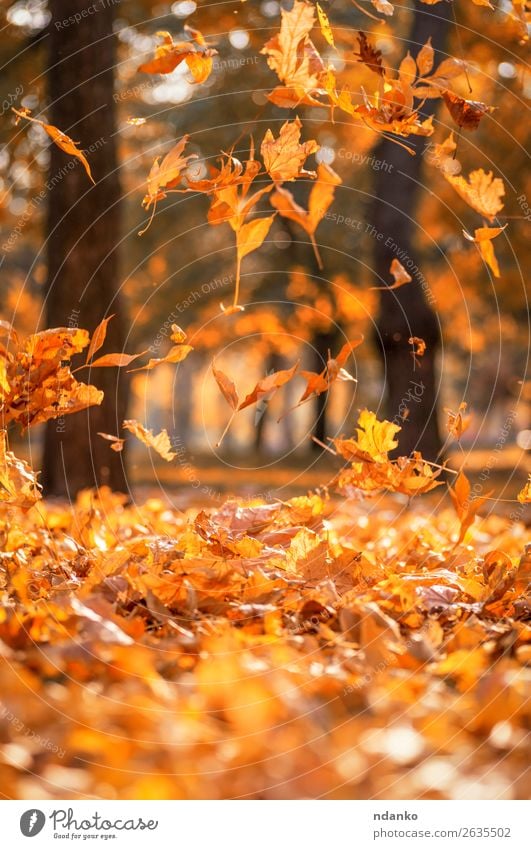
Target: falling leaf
60	139
481	191
285	156
295	59
176	354
117	442
369	55
524	496
316	384
384	7
321	197
227	387
167	174
177	335
375	439
324	23
400	275
419	346
425	58
466	505
114	360
466	113
483	237
267	386
458	423
159	442
251	235
170	54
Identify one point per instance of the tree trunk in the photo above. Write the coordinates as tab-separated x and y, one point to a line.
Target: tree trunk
83	234
408	311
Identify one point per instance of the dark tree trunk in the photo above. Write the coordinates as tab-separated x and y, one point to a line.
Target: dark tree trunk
82	238
408	311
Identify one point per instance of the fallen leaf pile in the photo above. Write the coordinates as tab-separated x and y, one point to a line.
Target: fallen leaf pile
318	647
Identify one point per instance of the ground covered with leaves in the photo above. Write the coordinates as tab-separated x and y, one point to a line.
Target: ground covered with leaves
319	647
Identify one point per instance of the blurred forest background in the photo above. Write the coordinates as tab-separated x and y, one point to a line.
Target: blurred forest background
182	268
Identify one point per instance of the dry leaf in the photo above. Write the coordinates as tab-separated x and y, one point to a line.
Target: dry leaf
483	237
167	174
267	386
481	191
400	275
285	156
117	442
466	113
321	196
458	423
159	442
524	496
324	23
59	138
98	338
369	55
176	354
251	235
227	387
169	56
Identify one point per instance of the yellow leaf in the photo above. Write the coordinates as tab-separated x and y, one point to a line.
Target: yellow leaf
324	23
483	237
284	157
425	58
482	191
375	439
159	442
98	338
168	173
251	236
